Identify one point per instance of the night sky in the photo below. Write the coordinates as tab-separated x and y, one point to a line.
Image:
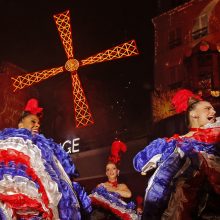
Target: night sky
117	91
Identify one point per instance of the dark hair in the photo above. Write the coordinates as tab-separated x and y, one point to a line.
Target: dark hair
24	114
111	162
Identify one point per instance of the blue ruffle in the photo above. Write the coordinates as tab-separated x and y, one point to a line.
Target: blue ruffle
2	215
69	208
82	195
161	146
191	146
159	193
158	146
113	198
171	161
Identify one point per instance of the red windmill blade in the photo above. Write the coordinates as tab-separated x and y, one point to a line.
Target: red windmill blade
83	116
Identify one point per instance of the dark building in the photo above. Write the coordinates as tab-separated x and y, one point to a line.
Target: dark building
186	52
163	6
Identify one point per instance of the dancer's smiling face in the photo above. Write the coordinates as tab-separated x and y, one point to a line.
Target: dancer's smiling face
30	122
111	171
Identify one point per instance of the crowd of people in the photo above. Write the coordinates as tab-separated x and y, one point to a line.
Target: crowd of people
37	177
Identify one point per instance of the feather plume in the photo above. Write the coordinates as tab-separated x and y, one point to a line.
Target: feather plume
32	107
116	148
181	99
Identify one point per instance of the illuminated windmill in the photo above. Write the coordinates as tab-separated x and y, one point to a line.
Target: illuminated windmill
83	116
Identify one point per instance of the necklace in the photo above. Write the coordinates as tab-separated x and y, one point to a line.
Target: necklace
114	183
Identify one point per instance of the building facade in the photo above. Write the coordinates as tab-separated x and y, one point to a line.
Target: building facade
187	52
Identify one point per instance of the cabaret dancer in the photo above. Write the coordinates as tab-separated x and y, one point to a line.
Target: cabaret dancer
186	168
108	198
36	174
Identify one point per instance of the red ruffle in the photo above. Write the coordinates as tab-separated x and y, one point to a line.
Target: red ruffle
20	202
209	135
97	202
20	158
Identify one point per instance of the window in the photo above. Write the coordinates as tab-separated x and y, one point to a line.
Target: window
174	78
205	60
200	27
175	38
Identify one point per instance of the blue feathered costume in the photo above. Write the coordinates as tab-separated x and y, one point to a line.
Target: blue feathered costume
187	172
36	179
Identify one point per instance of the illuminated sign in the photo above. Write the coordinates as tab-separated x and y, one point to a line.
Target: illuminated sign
71	147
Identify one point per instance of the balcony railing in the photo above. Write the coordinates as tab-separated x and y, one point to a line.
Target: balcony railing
199	33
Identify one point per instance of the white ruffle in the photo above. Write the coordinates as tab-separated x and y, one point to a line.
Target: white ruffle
18	184
213	125
8	212
132	214
37	164
151	164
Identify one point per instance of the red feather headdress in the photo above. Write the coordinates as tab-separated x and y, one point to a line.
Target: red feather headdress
116	148
181	99
33	107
